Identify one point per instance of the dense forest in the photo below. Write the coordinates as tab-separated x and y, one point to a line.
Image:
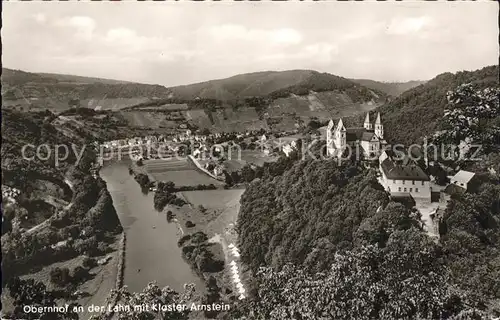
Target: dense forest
318	229
311	211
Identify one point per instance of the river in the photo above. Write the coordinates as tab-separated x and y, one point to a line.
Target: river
151	250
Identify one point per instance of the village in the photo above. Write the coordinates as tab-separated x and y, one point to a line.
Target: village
220	154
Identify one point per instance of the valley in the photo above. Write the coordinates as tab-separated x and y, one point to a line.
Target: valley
105	232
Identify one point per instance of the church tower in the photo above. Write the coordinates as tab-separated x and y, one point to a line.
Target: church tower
367	125
379	128
340	136
330	144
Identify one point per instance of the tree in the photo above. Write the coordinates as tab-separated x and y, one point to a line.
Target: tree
80	274
151	295
212	296
404	280
60	276
468	117
247	173
32	293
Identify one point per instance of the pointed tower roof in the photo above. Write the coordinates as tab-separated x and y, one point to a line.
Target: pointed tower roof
340	125
378	119
330	124
367	119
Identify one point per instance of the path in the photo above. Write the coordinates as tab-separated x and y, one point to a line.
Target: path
229	256
426	210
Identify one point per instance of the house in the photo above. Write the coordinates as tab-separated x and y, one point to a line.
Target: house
370	137
287	144
462	179
401	176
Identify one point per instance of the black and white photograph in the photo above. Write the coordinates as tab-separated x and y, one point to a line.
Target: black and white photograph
250	160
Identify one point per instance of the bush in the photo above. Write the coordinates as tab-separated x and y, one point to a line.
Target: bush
170	215
183	239
189	224
60	276
89	263
80	274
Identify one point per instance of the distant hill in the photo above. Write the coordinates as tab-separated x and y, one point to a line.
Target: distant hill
270	100
415	113
277	100
57	92
393	89
271	83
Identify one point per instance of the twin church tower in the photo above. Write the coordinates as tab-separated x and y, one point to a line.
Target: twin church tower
370	137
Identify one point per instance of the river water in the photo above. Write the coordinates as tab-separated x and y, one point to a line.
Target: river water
151	249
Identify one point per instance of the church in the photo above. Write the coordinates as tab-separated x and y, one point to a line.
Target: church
370	137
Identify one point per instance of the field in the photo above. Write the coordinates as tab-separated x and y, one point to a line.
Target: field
148	119
180	172
256	157
218	212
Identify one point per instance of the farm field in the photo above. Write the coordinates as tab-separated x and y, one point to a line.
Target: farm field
153	120
256	157
180	172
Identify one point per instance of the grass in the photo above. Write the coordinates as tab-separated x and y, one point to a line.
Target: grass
256	157
220	212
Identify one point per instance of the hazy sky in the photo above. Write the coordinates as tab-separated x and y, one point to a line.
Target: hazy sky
173	43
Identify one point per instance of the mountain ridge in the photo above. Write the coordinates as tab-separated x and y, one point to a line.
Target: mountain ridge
389	87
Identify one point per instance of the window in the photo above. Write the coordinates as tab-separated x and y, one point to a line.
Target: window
403	182
416	189
399	189
405	189
413	182
422	183
393	181
411	189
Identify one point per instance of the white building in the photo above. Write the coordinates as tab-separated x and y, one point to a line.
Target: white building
370	137
462	179
401	176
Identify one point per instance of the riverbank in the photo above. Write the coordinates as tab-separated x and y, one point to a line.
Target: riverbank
212	213
151	251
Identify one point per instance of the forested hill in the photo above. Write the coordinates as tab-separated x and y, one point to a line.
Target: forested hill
334	246
28	91
46	188
393	89
274	84
416	112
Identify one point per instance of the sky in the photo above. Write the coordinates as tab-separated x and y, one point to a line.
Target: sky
174	43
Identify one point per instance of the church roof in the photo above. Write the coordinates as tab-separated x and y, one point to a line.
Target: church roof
367	136
397	171
353	134
359	133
